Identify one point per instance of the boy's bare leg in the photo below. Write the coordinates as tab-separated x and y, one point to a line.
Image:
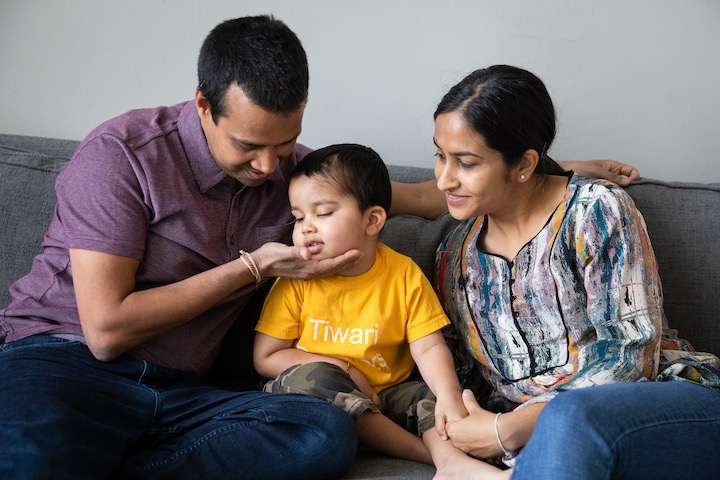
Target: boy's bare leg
378	432
452	462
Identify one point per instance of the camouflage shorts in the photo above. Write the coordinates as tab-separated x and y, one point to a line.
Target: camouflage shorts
410	404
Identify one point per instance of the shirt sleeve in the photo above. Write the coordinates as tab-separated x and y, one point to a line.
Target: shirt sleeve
101	202
619	275
280	316
425	312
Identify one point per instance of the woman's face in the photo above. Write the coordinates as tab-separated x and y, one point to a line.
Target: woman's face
473	176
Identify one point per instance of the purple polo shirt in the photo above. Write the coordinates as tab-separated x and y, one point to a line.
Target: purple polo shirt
144	185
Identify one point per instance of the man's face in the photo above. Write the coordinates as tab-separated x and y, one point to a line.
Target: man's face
248	143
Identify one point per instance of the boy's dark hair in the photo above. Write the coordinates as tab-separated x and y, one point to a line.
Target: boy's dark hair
259	54
357	170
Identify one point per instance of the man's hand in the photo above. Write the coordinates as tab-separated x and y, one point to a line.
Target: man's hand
279	260
619	173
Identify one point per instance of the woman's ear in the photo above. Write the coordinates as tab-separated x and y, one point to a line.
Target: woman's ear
526	166
376	217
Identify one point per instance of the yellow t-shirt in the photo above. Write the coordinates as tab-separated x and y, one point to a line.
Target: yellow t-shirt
367	320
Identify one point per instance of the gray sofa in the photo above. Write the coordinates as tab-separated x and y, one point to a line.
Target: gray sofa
683	220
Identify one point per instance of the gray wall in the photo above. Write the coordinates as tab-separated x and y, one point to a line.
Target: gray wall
632	80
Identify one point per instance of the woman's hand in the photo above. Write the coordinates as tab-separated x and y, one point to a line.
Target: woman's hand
278	260
474	434
619	173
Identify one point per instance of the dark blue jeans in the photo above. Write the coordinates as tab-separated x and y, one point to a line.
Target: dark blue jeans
65	415
626	431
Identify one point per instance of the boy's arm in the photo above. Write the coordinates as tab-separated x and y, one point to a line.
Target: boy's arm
435	362
272	356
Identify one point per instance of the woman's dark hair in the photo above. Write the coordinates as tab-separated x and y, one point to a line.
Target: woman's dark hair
357	170
512	110
259	54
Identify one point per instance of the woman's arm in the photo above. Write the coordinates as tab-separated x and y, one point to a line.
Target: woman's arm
475	434
619	324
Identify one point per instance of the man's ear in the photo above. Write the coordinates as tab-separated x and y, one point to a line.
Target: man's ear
376	218
202	105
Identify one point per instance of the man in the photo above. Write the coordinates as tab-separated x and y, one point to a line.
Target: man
144	269
109	335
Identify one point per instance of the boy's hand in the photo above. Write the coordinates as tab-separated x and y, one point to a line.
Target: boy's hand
363	385
475	434
448	408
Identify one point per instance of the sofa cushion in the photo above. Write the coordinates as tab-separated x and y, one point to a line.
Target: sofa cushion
27	186
684	224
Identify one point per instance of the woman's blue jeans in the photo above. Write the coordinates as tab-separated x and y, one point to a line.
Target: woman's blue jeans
626	431
65	415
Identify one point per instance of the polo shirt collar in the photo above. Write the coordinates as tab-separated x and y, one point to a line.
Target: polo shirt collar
206	171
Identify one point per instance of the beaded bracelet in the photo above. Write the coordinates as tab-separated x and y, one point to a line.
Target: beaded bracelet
251	265
508	457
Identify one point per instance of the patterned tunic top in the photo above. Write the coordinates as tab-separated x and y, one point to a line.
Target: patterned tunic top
580	304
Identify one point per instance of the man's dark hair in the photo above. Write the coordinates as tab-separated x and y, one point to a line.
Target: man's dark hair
357	170
259	54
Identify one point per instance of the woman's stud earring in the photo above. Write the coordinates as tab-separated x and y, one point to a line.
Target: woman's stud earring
522	177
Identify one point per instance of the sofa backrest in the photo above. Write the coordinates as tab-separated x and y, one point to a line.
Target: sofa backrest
28	167
683	221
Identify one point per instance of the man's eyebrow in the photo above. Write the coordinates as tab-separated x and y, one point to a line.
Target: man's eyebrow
256	145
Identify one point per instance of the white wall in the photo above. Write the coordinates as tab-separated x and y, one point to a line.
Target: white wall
632	80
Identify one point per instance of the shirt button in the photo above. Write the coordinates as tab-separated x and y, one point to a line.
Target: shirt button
232	239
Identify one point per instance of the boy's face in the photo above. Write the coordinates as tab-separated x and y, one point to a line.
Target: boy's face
328	221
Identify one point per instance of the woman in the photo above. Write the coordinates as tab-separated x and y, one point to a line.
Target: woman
552	286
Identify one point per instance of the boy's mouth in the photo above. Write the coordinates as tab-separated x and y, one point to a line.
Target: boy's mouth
314	246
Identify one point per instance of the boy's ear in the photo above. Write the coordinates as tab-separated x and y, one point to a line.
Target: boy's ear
376	218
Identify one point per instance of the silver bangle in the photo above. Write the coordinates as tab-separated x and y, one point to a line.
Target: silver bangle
508	456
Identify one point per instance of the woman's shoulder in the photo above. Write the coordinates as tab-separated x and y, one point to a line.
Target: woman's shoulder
590	190
595	187
594	198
